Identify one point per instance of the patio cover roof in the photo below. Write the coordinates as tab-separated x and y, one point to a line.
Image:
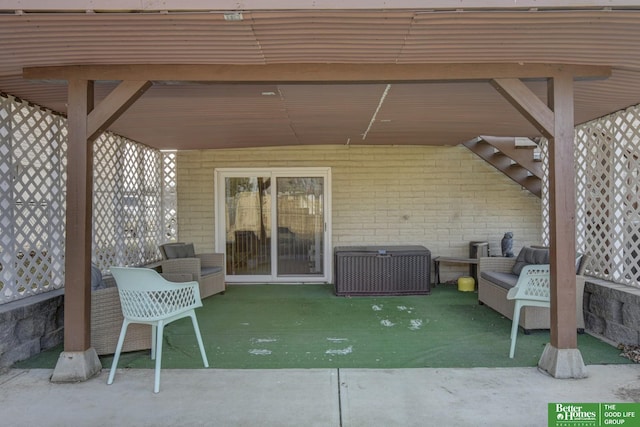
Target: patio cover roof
190	115
332	106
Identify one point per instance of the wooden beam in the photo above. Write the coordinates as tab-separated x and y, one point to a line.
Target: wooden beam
313	73
562	208
77	303
527	103
116	103
224	6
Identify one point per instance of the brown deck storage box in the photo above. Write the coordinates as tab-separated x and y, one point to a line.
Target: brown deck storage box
382	270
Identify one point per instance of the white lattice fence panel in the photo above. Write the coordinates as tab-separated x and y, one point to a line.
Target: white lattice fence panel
131	180
128	215
169	196
607	167
33	200
8	278
631	217
608	208
544	158
108	248
127	202
151	199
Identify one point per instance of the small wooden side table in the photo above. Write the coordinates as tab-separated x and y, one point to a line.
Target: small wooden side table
455	260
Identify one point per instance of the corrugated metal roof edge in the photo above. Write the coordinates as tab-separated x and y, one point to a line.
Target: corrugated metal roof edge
190	6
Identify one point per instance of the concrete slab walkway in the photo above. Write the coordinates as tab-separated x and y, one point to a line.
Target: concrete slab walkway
308	397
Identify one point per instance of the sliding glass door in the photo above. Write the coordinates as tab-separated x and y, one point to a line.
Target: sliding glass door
272	224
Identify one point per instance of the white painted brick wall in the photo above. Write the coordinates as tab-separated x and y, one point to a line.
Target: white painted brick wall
439	197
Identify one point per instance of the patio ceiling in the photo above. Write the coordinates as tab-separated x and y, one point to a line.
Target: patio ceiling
192	115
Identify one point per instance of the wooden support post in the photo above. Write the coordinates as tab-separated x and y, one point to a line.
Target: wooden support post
79	206
561	357
562	208
79	361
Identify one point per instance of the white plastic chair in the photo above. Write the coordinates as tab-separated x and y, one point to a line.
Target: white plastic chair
532	289
148	298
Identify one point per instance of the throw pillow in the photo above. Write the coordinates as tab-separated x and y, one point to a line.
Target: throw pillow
528	256
179	250
182	251
578	262
96	278
190	250
173	250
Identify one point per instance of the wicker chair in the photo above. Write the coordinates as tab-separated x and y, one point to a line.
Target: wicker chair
106	322
206	269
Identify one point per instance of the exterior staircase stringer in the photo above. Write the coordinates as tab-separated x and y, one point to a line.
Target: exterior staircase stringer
506	164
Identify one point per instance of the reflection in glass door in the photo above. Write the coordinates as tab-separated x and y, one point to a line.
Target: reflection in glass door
285	241
300	212
248	226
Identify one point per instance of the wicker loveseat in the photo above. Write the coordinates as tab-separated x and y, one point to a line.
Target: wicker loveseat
207	269
106	322
495	278
106	316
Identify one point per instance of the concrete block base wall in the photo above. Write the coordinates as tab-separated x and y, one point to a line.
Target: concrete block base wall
612	311
30	326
